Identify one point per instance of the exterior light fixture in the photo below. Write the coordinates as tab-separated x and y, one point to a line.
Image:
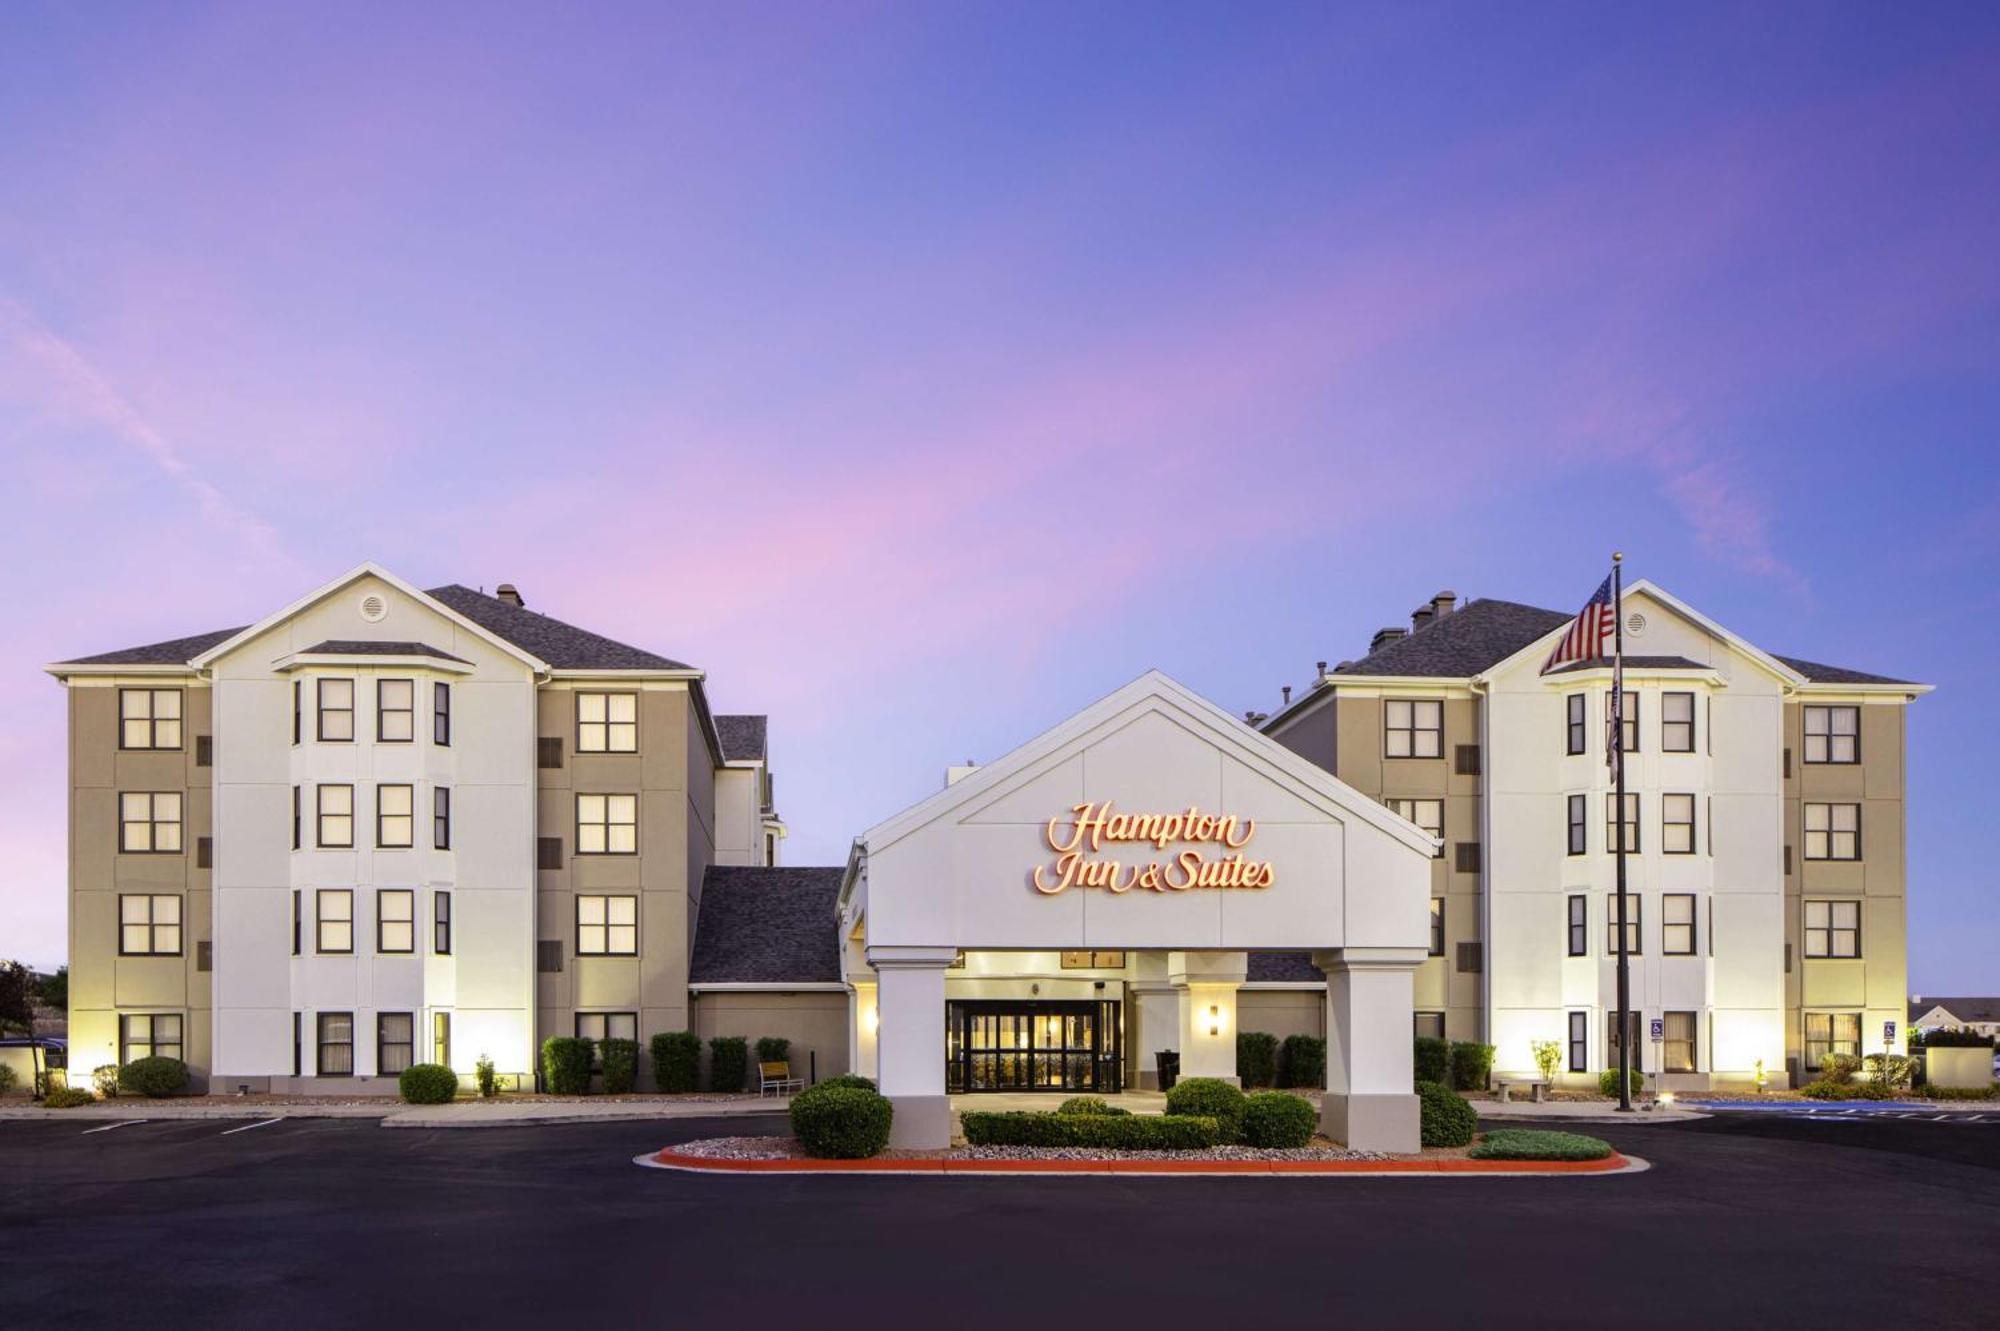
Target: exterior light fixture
872	1018
1214	1020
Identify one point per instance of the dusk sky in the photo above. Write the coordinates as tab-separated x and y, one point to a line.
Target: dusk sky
924	373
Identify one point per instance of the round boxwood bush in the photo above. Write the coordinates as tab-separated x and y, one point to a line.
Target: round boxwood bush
1539	1144
1276	1119
841	1122
1210	1097
1092	1105
1444	1116
847	1079
427	1084
67	1097
1607	1082
154	1077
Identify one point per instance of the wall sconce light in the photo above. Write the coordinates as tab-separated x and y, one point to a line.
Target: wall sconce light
871	1017
1214	1020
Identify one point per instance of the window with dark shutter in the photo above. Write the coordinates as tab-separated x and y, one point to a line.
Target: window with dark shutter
1465	759
1788	764
204	852
548	956
1788	958
204	956
1469	962
204	750
548	751
548	852
1788	859
1468	857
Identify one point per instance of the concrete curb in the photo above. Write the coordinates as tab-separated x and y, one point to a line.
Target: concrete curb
941	1168
395	1114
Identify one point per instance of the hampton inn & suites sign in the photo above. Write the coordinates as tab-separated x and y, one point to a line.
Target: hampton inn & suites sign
1210	855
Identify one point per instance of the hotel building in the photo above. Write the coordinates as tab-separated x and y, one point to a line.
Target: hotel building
385	826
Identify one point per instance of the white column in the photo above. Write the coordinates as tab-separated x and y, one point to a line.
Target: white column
862	1019
1205	985
1371	1103
910	1042
1152	1019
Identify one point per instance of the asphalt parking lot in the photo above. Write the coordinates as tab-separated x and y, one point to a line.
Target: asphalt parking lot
1744	1220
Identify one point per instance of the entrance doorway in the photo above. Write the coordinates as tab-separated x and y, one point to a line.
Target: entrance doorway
1012	1046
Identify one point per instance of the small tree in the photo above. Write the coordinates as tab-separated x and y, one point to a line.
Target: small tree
1547	1055
55	989
17	999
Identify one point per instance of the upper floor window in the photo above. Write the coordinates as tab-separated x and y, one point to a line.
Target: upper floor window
1629	717
1579	830
1677	723
441	817
1833	734
607	824
1427	814
149	718
441	714
1833	831
607	723
1833	928
441	925
1677	924
396	920
1631	823
1437	926
1575	727
149	822
298	709
336	816
1414	728
395	817
336	710
607	926
1677	824
1579	925
333	920
149	926
396	711
1632	932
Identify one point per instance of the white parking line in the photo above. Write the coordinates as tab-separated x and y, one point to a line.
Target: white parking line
262	1123
113	1127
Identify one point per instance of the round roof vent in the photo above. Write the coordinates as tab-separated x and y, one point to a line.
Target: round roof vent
374	607
1635	624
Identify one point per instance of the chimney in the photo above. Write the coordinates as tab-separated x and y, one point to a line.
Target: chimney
1287	691
1320	678
1420	618
1383	637
505	592
1443	604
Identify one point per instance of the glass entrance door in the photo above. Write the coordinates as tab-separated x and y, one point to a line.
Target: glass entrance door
1063	1047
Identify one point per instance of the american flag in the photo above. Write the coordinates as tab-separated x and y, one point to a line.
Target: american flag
1589	633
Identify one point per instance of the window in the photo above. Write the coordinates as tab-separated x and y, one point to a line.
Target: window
1630	717
1677	924
336	1044
395	1042
1611	823
607	926
1677	824
336	815
441	714
149	822
149	718
298	709
441	1038
441	923
441	817
298	1044
1579	925
396	711
602	1026
1833	928
1437	926
607	824
297	820
396	920
1632	933
1427	814
1428	1025
607	723
1415	728
1833	734
149	1035
1831	1033
149	926
333	920
1088	961
1579	1042
1677	1054
1677	723
1579	830
336	710
395	817
1575	727
298	916
1833	831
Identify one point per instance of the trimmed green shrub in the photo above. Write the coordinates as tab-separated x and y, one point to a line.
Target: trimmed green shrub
1838	1068
1091	1104
153	1077
488	1079
1276	1119
1956	1040
677	1061
1444	1118
1209	1097
104	1079
841	1122
1304	1062
773	1049
1256	1058
848	1079
1432	1057
1607	1082
66	1097
1111	1132
1471	1065
1960	1092
621	1066
566	1061
1826	1089
427	1084
1539	1144
728	1063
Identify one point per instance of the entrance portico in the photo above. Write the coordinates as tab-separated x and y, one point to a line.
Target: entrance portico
1051	921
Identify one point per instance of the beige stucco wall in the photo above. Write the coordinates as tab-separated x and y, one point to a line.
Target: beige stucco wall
1282	1012
814	1021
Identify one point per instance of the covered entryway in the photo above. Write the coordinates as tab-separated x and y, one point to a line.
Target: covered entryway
1157	827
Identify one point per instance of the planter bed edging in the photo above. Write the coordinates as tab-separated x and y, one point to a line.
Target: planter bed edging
1613	1164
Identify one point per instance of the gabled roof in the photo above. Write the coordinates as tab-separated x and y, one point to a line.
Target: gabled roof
1965	1009
767	926
1826	674
1460	644
562	646
361	647
743	737
174	651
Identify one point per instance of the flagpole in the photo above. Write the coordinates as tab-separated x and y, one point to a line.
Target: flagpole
1624	1017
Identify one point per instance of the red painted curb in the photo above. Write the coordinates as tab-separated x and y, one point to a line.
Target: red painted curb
1449	1165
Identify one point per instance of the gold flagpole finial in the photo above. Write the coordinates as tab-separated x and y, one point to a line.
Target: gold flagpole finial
1617	556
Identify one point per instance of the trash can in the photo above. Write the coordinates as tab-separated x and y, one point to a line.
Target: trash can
1168	1061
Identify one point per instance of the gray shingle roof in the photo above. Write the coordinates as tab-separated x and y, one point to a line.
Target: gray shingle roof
1826	674
1965	1009
767	926
1284	968
563	646
743	737
360	647
1635	663
1462	643
174	651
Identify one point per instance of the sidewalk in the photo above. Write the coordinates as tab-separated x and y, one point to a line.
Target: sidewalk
500	1112
1555	1113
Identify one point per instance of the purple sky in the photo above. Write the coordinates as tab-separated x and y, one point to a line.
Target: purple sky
924	373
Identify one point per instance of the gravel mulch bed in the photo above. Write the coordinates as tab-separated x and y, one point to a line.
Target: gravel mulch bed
787	1148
